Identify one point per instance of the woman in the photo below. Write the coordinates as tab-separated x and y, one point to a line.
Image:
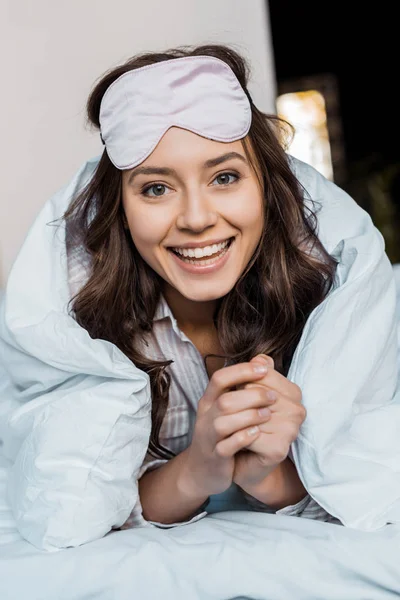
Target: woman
193	250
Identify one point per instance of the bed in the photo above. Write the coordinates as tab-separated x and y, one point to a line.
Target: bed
227	555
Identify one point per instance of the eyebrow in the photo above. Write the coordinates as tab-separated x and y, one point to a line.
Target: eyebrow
212	162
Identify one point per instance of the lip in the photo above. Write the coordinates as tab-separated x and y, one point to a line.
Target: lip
204	269
201	244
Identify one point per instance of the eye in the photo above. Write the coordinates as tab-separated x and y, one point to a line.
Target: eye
223	178
158	189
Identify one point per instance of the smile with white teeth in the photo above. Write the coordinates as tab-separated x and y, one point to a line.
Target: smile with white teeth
201	252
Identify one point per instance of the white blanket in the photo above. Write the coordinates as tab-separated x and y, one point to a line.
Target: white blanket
226	556
78	412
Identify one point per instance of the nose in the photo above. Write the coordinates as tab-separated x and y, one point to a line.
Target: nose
197	212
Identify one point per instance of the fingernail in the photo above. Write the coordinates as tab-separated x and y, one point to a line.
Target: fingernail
260	368
253	430
271	395
264	412
264	356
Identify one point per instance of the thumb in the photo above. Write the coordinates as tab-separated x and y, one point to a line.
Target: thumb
264	358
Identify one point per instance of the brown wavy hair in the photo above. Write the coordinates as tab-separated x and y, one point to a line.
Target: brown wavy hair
289	274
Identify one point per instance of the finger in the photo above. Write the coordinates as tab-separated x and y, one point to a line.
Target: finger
238	441
283	429
282	406
227	378
264	358
286	410
280	384
226	425
240	400
271	450
261	359
270	394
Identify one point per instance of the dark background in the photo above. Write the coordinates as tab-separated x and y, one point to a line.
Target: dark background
360	47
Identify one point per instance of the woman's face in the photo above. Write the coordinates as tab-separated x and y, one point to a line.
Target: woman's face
194	191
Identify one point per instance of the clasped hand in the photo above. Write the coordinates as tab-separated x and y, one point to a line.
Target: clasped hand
272	444
232	440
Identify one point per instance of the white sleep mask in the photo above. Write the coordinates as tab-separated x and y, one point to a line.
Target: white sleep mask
198	93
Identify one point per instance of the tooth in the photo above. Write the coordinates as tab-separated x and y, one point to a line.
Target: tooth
201	252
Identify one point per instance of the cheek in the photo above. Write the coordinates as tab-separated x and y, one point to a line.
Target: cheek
248	212
148	227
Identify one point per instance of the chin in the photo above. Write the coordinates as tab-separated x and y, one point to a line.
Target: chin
206	295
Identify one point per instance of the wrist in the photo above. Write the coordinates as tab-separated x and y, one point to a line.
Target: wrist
188	480
252	478
281	488
257	486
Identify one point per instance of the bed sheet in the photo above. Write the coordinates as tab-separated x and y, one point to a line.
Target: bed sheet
231	555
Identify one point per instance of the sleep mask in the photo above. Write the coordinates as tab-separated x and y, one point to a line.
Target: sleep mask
197	93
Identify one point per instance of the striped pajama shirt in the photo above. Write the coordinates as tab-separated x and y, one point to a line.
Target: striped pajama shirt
189	380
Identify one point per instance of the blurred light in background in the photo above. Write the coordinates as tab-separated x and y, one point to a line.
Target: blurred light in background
306	111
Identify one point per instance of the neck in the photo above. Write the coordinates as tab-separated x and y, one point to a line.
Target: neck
190	315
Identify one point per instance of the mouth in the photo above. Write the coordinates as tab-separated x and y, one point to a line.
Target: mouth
203	259
204	264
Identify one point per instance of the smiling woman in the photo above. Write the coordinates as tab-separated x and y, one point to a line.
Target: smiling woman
196	206
174	197
201	203
193	329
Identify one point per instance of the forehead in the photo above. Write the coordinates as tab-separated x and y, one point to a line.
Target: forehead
182	150
178	143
